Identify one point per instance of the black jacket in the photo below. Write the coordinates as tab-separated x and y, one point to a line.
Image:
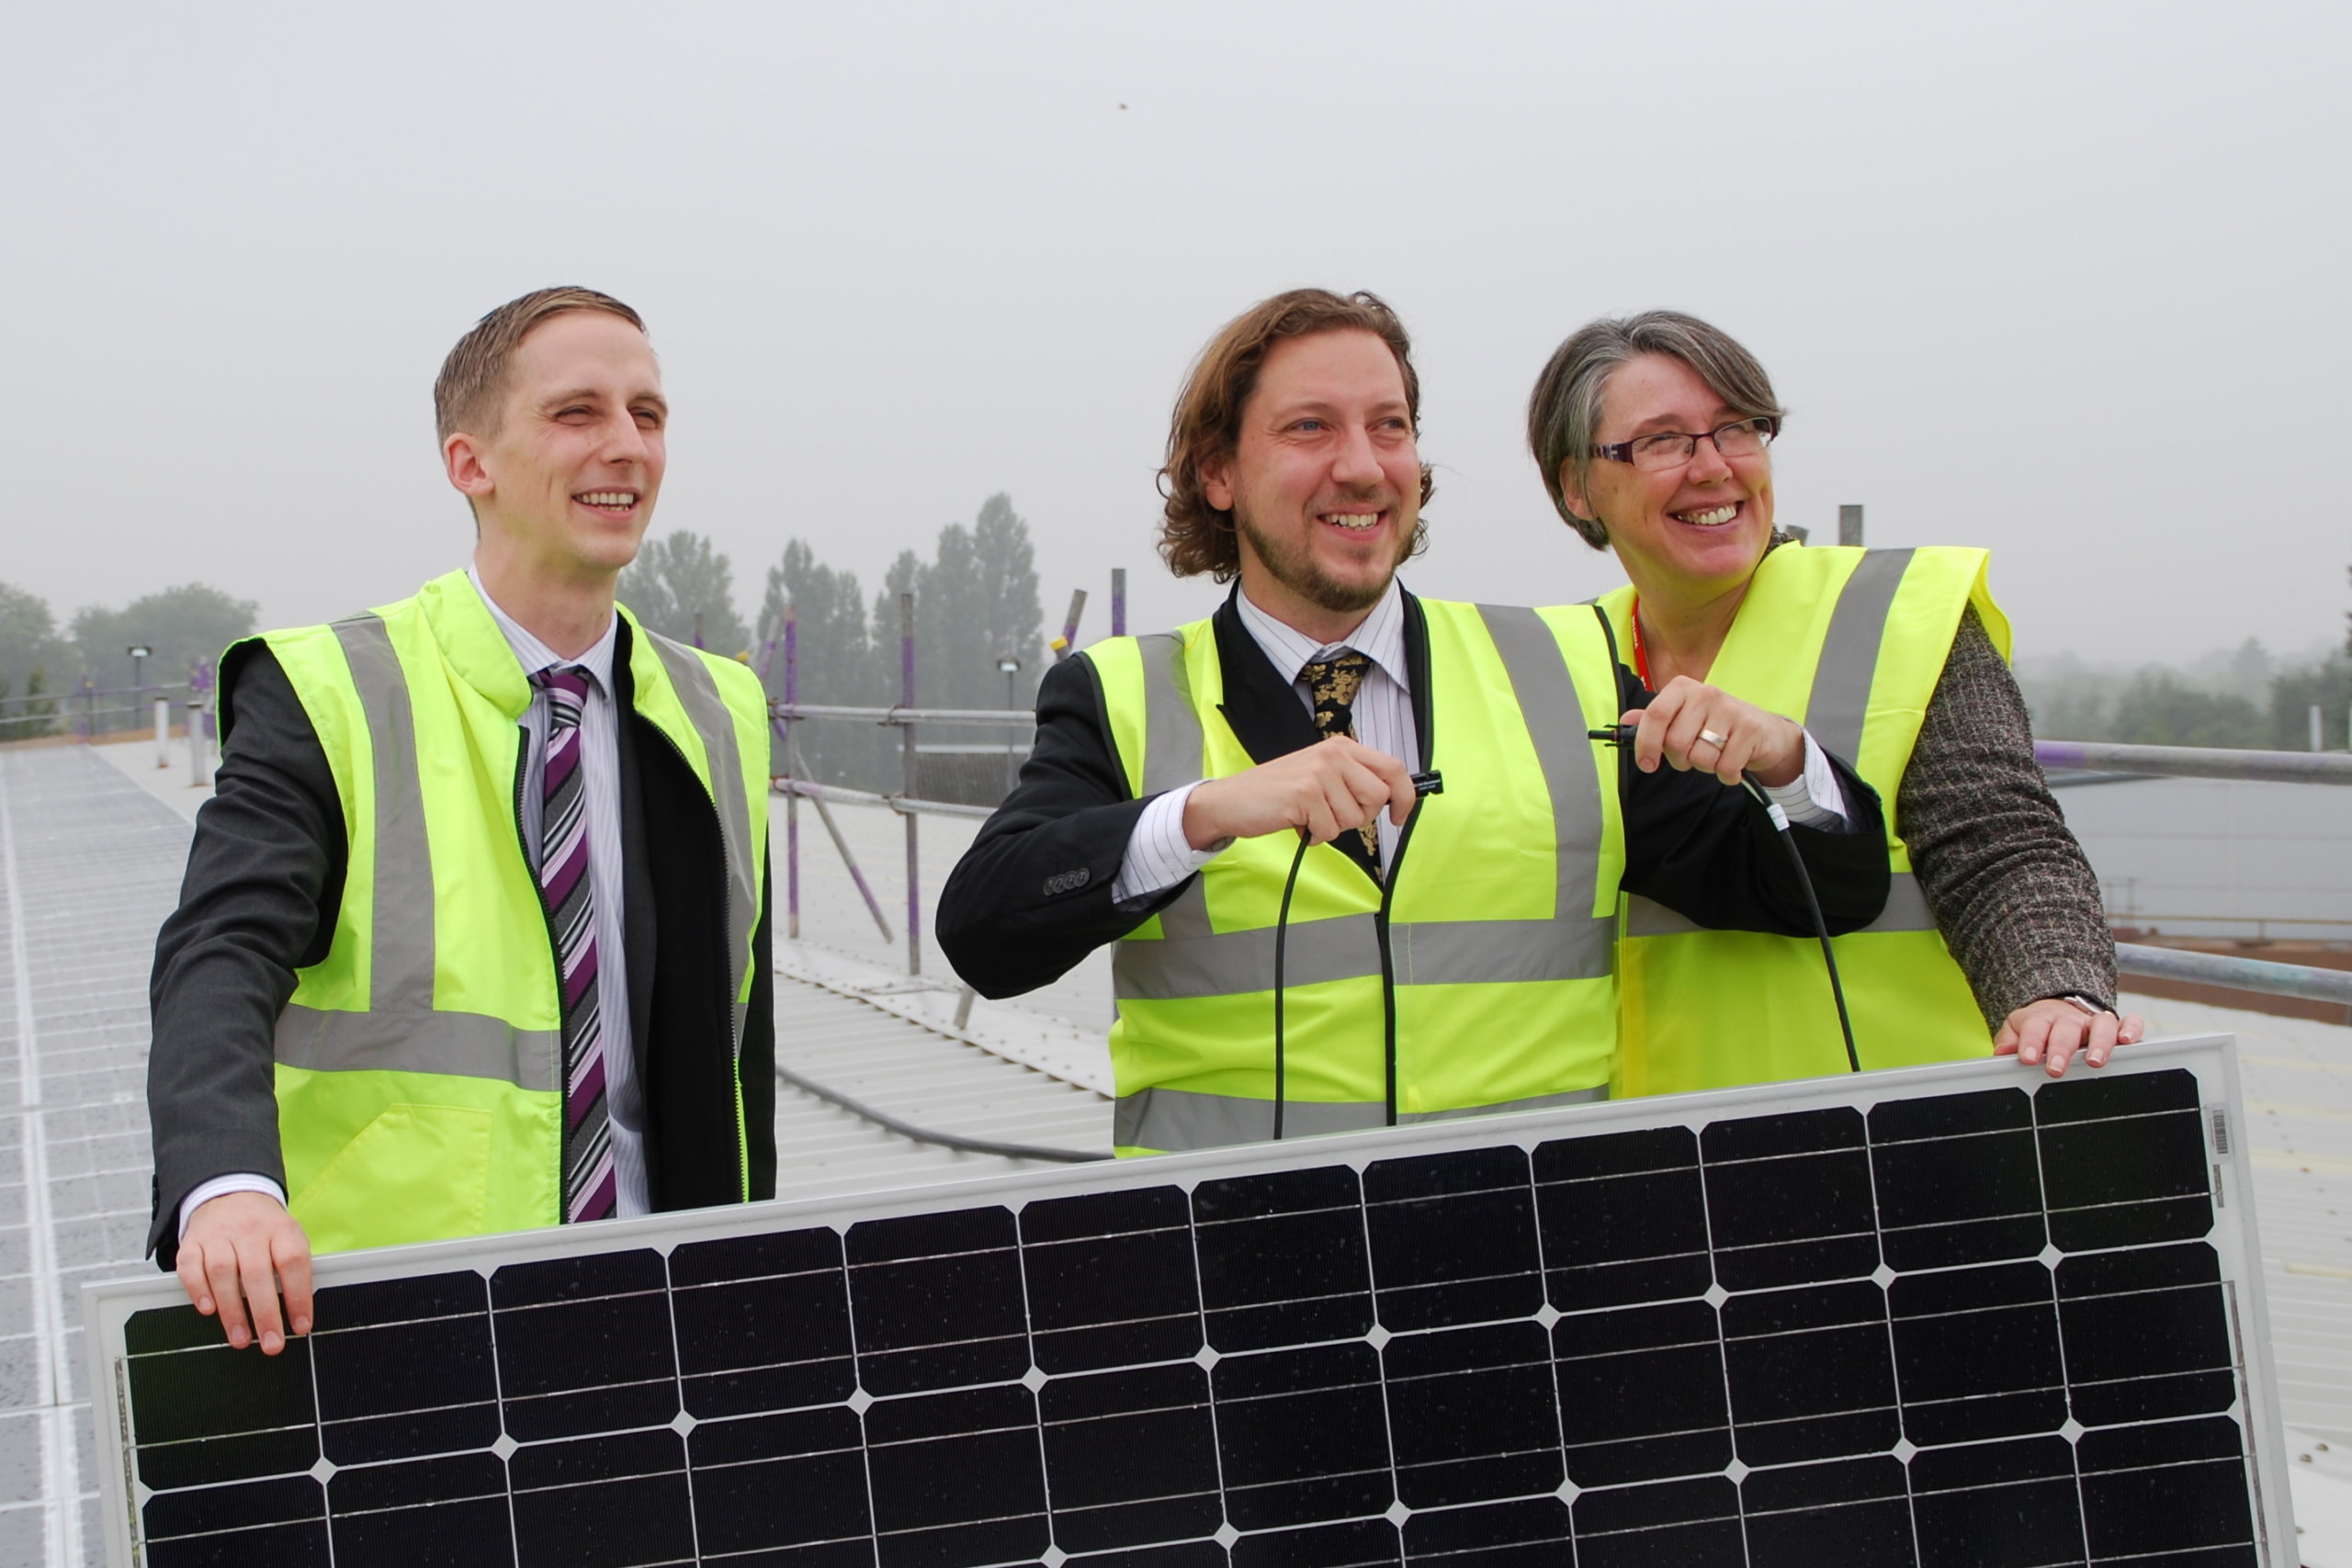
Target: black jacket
265	879
1033	895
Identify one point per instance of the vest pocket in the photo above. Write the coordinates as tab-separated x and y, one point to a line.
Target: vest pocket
416	1173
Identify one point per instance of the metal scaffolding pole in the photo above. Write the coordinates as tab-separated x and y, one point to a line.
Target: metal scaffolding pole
791	764
907	753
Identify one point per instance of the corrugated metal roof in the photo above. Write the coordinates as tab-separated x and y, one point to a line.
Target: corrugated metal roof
920	1077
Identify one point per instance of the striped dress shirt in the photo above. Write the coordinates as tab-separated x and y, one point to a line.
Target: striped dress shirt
600	761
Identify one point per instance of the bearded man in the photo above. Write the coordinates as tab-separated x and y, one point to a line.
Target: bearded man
1359	852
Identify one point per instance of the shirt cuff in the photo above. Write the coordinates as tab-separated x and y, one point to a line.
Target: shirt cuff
1159	855
1814	798
220	1185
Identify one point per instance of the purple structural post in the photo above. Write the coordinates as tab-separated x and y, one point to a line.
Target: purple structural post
1067	644
1118	600
906	734
792	799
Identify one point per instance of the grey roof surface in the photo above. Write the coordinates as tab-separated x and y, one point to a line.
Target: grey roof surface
92	841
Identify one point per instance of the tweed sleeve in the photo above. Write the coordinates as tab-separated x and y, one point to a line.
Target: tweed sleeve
2016	900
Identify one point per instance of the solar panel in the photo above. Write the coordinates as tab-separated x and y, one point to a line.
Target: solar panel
1947	1315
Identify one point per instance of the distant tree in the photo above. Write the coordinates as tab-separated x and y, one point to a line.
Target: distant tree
1010	618
31	661
30	713
905	576
186	626
829	611
676	579
2293	696
2159	709
976	600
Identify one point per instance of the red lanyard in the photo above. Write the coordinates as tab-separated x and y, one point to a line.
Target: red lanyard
1641	654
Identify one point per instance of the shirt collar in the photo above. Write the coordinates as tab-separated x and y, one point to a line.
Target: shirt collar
1379	637
534	656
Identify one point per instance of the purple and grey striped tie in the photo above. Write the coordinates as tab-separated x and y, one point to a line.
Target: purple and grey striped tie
588	1182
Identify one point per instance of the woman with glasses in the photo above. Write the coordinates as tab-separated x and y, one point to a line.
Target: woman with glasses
1653	433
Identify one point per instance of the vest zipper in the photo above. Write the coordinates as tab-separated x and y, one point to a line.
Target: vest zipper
1387	958
734	1040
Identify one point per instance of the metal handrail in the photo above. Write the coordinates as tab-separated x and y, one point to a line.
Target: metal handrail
996	718
903	804
81	699
2196	762
2237	974
2142	919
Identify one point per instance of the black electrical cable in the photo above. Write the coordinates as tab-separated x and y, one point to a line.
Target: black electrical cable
926	1135
1813	905
1282	933
1623	735
1430	783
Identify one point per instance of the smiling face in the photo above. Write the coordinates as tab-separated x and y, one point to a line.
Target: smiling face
1681	532
567	482
1324	482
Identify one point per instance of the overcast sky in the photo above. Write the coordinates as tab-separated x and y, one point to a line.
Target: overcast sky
2064	280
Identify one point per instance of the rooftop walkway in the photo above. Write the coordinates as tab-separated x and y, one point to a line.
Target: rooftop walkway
91	846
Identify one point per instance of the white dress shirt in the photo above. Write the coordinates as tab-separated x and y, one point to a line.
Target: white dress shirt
1159	856
600	762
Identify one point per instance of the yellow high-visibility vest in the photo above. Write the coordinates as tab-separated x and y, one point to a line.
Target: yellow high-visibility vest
420	1062
1850	643
1478	978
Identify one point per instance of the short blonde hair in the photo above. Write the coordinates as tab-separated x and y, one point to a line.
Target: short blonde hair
470	391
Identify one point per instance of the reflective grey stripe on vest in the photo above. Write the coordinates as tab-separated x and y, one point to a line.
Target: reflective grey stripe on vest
707	711
1585	948
1834	716
1841	681
1174	1119
1190	960
458	1044
400	1032
1172	755
400	952
1906	911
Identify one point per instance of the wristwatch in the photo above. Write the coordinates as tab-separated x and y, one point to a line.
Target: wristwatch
2090	1005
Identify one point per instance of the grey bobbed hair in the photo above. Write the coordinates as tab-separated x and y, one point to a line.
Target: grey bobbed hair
1564	412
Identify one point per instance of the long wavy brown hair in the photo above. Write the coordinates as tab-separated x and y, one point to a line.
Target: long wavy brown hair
1196	537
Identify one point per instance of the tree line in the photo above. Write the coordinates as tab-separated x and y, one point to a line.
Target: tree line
2244	698
976	603
43	667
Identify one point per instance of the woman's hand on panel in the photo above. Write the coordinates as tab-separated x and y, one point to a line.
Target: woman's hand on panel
2052	1030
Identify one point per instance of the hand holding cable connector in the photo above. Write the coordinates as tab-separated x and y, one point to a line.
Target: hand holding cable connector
1321	791
1693	725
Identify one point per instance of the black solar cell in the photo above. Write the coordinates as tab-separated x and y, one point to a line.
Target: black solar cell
1959	1326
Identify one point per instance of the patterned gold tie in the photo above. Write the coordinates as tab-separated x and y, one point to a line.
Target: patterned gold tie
1333	684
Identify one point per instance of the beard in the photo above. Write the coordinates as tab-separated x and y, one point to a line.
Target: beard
1295	567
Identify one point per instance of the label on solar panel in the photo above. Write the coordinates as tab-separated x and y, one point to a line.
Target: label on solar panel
1944	1316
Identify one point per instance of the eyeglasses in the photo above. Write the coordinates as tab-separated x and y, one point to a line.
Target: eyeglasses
1672	448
